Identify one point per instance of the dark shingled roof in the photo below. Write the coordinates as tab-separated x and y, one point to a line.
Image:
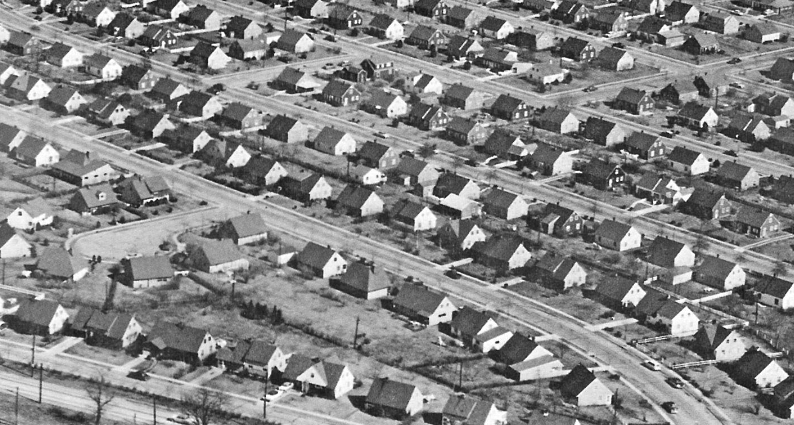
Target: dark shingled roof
37	312
630	95
615	288
753	216
500	198
260	352
774	286
248	225
599	169
663	251
55	261
501	247
178	337
642	141
337	88
314	255
683	155
296	365
576	381
362	277
705	197
752	363
451	183
469	321
387	393
517	349
716	267
612	229
155	267
418	299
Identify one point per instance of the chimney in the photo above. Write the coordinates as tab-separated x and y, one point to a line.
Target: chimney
372	267
87	155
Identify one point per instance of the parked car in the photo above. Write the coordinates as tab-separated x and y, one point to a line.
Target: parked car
652	365
734	61
182	419
666	134
731	153
670	407
675	383
619	45
736	85
452	274
590	89
273	395
286	386
139	375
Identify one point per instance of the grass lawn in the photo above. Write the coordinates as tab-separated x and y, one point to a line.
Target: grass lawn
104	355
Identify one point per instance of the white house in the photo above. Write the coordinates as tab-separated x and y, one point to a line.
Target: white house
12	245
367	176
688	161
618	236
31	215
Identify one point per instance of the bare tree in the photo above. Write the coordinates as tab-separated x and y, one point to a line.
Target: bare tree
427	150
204	404
101	394
701	244
780	269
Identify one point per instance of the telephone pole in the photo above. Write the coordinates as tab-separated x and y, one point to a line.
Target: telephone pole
460	376
355	335
264	399
154	409
41	380
33	356
16	408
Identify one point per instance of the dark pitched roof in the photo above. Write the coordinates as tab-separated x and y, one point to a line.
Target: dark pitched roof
612	229
423	32
716	267
714	335
630	95
501	247
178	337
55	261
505	102
574	45
694	110
643	141
733	171
365	278
354	196
599	169
248	225
315	255
774	286
259	352
492	23
753	362
469	321
296	365
451	183
337	88
37	312
517	349
155	267
220	252
459	12
407	209
418	299
615	288
558	265
31	146
753	216
291	37
683	155
663	251
500	198
388	393
705	197
459	91
597	127
576	381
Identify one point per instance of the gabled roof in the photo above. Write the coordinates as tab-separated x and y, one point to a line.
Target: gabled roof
423	32
329	137
753	362
355	196
753	216
731	170
714	335
155	267
382	21
238	24
459	13
774	287
469	321
411	166
500	198
8	133
19	39
652	25
461	228
135	73
547	154
55	261
418	299
387	393
236	111
166	86
452	183
98	60
492	23
178	337
577	380
500	247
32	146
574	45
562	212
596	127
91	195
517	349
458	91
291	37
281	124
220	252
296	365
382	99
37	312
341	11
365	278
36	207
248	225
61	95
259	352
148	120
705	197
559	266
716	267
615	288
630	95
407	209
703	40
643	141
200	13
373	151
683	155
663	251
599	169
315	256
59	50
337	88
555	115
611	56
612	230
507	103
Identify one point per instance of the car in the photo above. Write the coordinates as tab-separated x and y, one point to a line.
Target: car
670	407
471	162
675	383
666	134
286	386
619	45
590	89
140	375
37	17
736	85
734	61
272	395
217	88
182	419
382	135
452	274
652	365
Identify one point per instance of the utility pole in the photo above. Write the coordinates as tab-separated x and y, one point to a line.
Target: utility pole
33	356
355	335
154	409
16	409
264	399
460	376
4	271
41	380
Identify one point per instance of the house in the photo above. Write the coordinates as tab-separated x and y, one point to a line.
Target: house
334	142
550	160
783	402
657	309
637	102
719	273
558	272
782	69
367	176
462	17
701	44
287	130
103	67
36	152
339	93
311	8
570	11
756	222
510	108
6	72
138	78
65	100
534	40
242	28
578	49
321	261
502	252
461	409
417	216
190	139
27	87
762	33
294	41
377	69
220	153
427	38
386	104
707	204
30	215
359	201
158	37
239	116
719	343
613	59
463	97
297	364
559	120
12	244
423	305
428	117
106	329
256	357
208	56
457	206
471	326
464	47
148	272
687	161
619	293
775	292
264	171
169	8
249	49
423	83
203	17
56	262
609	22
10	137
385	27
505	205
451	183
96	15
584	388
331	380
39	317
394	399
679	92
496	28
604	132
618	236
774	104
63	56
665	252
679	13
437	9
459	234
180	342
671	38
546	73
377	155
20	43
200	104
80	169
720	23
602	175
748	128
244	229
363	280
755	369
343	17
218	257
151	124
558	220
138	191
96	199
520	348
506	145
497	59
737	176
781	141
647	6
412	172
660	189
311	187
126	25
